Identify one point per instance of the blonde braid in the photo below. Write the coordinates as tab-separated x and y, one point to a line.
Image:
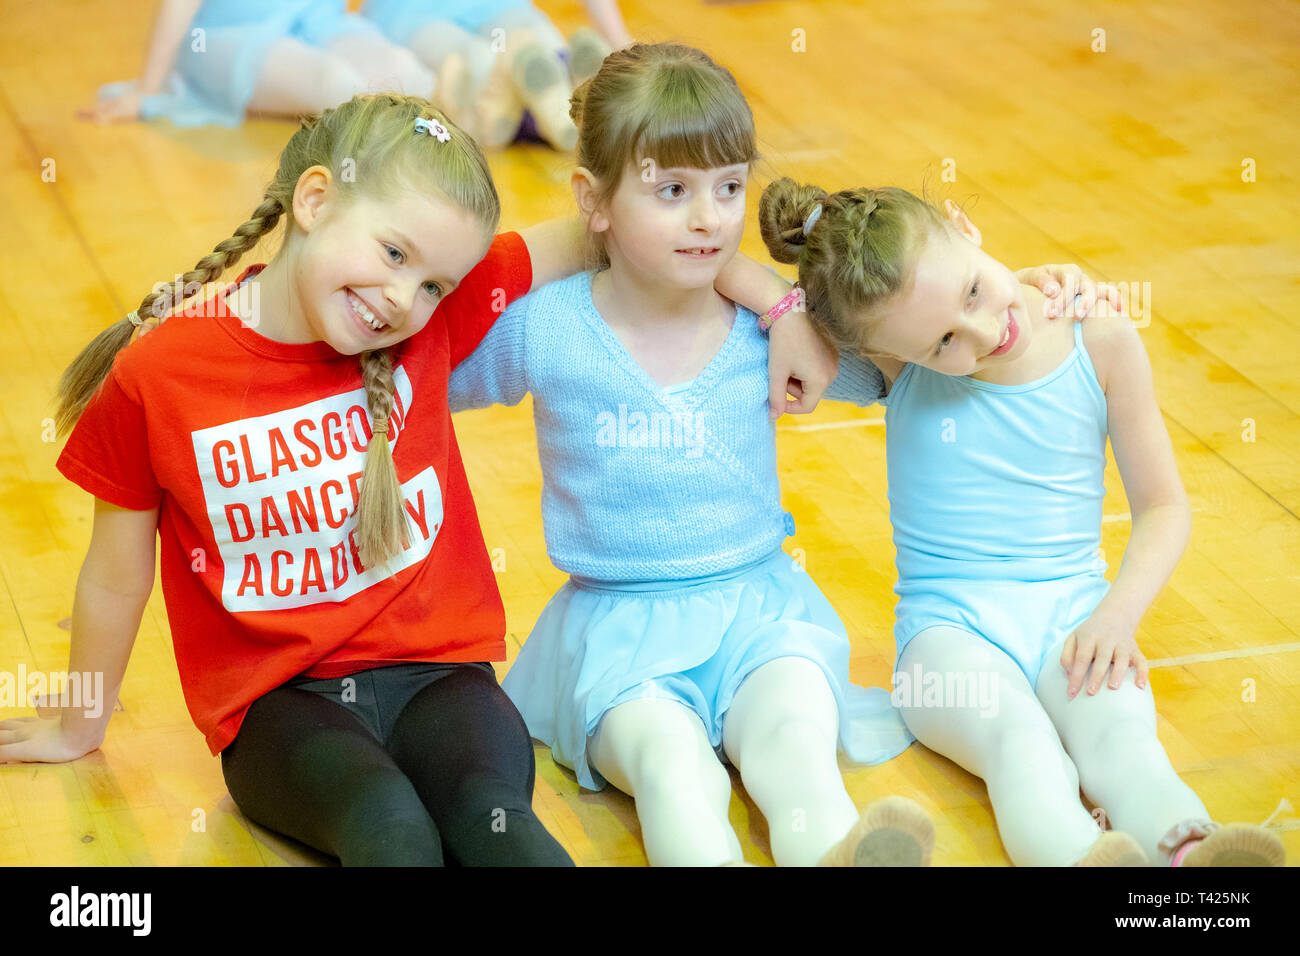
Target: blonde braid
382	528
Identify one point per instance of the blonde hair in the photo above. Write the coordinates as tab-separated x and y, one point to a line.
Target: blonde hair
860	252
374	136
664	102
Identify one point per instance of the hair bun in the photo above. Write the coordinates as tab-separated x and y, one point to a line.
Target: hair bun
782	212
577	100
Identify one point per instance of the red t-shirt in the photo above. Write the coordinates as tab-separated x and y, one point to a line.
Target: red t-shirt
253	450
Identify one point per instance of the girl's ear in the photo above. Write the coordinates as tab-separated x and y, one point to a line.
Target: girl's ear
314	190
584	191
959	221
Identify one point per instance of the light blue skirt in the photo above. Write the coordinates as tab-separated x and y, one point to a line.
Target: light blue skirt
598	645
212	85
400	19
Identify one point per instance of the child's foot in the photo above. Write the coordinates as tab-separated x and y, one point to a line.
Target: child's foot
455	93
1114	848
543	86
587	51
499	109
1237	844
893	831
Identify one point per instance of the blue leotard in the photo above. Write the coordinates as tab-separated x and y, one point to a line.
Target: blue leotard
995	495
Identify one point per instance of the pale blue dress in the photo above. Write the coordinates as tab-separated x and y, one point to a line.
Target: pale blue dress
216	71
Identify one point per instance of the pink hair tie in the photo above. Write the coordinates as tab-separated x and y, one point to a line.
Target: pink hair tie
768	318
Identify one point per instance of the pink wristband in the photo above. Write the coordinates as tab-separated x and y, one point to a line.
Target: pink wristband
768	318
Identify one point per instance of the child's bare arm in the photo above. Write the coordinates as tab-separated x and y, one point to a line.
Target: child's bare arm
169	30
557	248
112	590
800	362
1161	516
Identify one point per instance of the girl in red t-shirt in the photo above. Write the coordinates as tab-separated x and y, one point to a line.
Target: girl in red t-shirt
350	700
330	597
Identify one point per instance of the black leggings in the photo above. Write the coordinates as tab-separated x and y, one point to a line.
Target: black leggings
448	770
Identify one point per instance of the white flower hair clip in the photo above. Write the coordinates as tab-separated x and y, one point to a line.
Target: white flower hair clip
433	128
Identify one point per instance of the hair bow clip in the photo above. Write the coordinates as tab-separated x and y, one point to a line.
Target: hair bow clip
812	219
433	128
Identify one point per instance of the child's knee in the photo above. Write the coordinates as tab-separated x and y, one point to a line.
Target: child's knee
791	741
1104	745
1034	748
408	74
337	81
678	765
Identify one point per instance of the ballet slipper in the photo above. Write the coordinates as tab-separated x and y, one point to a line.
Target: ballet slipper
893	831
1114	848
543	85
587	51
1237	844
498	110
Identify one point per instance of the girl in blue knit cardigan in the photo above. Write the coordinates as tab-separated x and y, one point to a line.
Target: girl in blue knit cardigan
684	634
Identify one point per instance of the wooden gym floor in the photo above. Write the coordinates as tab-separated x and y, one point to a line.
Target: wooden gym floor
1167	157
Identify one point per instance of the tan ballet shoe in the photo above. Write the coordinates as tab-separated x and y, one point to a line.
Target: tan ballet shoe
1237	844
587	51
1114	848
893	831
543	86
498	110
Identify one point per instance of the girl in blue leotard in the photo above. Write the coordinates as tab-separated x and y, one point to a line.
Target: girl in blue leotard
211	62
996	423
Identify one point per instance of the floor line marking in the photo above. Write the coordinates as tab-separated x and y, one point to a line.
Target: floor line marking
1225	655
826	426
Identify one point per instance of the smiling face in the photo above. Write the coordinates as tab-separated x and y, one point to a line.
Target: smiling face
962	311
675	227
369	273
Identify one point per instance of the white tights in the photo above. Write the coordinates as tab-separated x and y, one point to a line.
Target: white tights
781	732
297	78
1034	749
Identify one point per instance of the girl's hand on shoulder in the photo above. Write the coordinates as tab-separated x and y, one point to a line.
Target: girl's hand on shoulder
38	740
800	364
1099	644
115	109
1069	292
